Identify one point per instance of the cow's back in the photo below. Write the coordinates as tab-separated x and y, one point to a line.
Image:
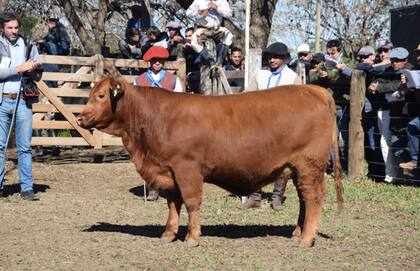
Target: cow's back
243	138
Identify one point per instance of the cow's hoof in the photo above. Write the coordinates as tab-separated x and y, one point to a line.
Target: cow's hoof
297	232
168	237
305	243
192	243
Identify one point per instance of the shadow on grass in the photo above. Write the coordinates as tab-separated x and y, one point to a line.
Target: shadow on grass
12	189
226	231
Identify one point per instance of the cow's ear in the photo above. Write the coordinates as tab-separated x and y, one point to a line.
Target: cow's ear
117	86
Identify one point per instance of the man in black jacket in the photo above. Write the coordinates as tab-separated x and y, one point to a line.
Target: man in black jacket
57	41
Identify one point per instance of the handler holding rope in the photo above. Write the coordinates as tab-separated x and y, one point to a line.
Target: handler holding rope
15	63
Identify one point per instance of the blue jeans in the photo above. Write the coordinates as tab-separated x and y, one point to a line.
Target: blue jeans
23	131
413	133
343	120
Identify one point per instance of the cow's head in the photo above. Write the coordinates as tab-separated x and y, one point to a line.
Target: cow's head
100	110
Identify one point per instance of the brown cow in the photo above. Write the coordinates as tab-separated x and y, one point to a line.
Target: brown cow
239	142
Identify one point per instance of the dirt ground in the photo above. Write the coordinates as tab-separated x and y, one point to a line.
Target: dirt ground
92	216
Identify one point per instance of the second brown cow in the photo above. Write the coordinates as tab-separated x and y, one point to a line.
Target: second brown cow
239	142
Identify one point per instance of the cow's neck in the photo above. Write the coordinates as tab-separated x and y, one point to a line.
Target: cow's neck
141	117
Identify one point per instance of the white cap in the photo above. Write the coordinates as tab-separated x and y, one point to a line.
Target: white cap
203	5
303	48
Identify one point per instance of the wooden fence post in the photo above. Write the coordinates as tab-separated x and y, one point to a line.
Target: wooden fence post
99	72
356	135
255	62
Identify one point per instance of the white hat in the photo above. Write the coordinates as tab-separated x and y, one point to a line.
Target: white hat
203	5
303	48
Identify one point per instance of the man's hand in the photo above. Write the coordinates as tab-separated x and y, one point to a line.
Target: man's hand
323	74
341	66
403	79
28	66
177	39
203	12
373	87
130	46
213	5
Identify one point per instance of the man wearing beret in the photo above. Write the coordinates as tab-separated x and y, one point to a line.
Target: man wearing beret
392	124
279	74
156	76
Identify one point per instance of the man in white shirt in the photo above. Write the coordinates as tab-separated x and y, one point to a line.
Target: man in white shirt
207	16
278	75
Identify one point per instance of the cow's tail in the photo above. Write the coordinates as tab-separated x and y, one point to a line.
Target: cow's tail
338	183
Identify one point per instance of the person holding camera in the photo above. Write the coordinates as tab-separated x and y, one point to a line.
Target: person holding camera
13	66
131	48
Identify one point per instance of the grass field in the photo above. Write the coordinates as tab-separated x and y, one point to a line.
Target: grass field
92	217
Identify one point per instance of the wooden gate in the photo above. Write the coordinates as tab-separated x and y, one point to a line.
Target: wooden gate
89	69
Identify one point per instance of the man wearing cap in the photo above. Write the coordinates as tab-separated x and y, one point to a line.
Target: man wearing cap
391	124
279	75
175	37
158	77
57	41
413	127
382	61
277	54
304	57
208	16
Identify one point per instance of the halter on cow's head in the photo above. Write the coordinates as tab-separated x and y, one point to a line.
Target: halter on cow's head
100	110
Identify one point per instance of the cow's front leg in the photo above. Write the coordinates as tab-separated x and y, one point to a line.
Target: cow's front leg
190	183
172	224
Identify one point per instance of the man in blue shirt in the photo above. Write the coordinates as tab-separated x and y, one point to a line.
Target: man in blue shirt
13	65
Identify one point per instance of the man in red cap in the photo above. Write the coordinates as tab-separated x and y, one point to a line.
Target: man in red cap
156	76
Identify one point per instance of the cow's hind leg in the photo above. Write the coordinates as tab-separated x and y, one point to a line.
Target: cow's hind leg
190	183
311	188
172	224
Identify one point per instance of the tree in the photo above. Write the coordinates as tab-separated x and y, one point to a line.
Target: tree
88	23
355	22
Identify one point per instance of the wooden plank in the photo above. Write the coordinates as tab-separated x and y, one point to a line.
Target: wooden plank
256	60
81	70
42	108
71	92
182	73
63	76
235	74
137	63
72	141
68	60
59	141
66	113
51	124
99	67
98	135
356	153
114	141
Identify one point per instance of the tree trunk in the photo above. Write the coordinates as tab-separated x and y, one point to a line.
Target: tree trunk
3	5
261	18
92	44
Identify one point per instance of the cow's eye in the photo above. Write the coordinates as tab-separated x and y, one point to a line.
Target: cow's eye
101	96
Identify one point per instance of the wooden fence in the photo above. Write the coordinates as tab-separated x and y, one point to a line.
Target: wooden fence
88	69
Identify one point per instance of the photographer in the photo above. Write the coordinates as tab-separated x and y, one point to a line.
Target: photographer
13	67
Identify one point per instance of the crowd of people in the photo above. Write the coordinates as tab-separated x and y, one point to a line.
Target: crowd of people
391	113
